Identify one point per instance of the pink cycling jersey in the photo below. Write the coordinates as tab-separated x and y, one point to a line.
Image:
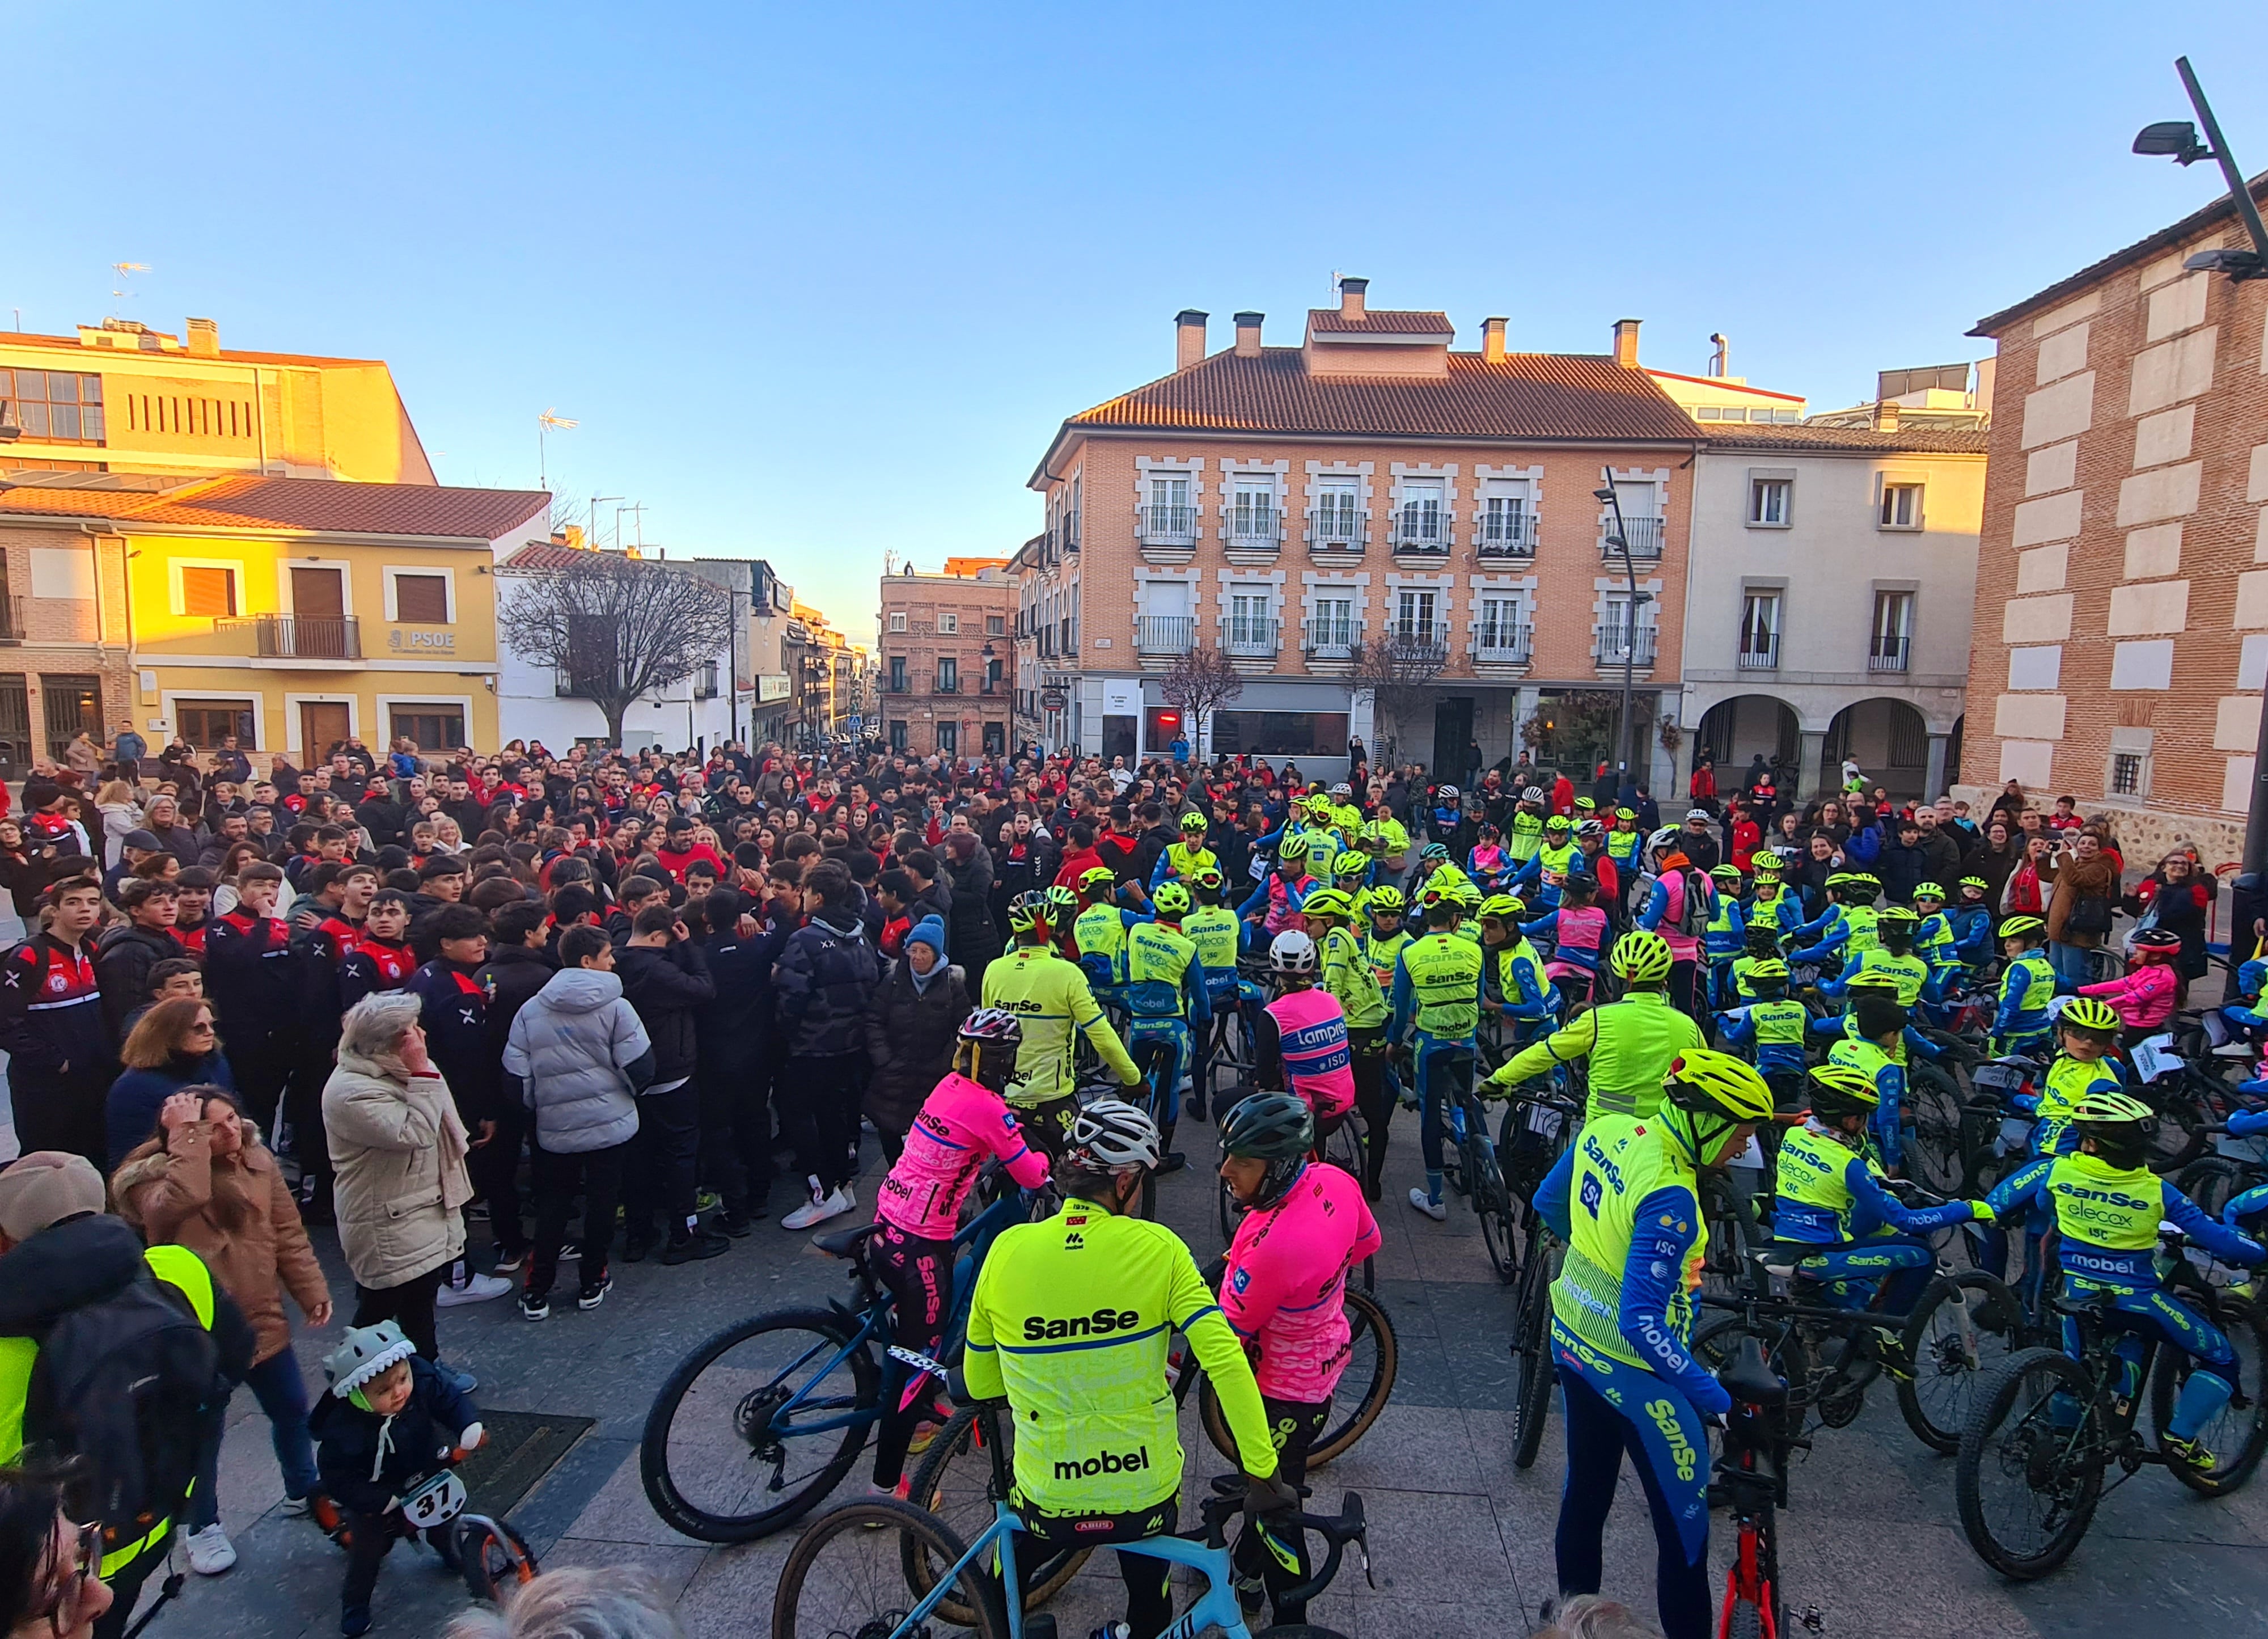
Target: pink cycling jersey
1578	934
962	1124
1286	1280
1311	1034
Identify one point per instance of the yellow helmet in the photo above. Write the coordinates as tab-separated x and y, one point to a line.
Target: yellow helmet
1846	1085
1171	899
1328	902
1717	1083
1641	955
2085	1013
1501	905
1388	899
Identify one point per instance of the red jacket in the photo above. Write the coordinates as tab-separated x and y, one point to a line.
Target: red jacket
1076	864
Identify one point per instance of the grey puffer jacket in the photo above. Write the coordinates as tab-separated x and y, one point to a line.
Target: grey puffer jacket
571	1047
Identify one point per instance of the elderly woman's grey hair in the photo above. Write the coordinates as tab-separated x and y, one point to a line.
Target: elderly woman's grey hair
579	1602
374	1026
1589	1616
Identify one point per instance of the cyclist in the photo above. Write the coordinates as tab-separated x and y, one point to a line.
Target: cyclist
1345	817
1179	861
1436	1008
1515	988
1383	945
1485	861
1100	930
963	1123
1058	908
1304	1225
1592	859
1171	1007
1774	905
1445	821
1627	1045
1892	955
1276	900
1539	878
1052	1002
1527	835
1679	902
1576	936
1348	976
1771	1028
1218	934
1726	934
1972	920
1070	1322
2027	984
1762	945
1933	940
1831	1210
1350	875
1625	1196
1871	1042
1302	1046
1846	927
2108	1205
1433	870
1626	844
2086	1031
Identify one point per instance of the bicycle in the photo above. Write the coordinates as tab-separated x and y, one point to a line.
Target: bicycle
1963	1328
486	1550
2038	1442
1751	1470
1469	1163
890	1566
1550	1117
793	1389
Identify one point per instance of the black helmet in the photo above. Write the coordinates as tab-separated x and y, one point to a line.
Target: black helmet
1277	1128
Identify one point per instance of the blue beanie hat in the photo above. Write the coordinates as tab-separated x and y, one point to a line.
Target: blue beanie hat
929	930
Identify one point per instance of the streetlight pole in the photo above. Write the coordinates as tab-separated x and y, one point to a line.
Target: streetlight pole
1620	539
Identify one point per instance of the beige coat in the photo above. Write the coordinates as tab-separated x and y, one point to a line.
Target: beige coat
398	1148
165	1190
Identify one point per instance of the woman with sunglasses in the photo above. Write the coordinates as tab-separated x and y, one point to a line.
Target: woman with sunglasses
50	1587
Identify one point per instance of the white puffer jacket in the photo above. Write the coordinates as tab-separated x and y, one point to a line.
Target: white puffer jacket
572	1046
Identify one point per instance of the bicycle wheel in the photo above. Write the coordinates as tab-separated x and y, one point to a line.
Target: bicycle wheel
2238	1436
738	1444
1492	1206
1230	1213
1786	1350
846	1574
2213	1181
2032	1455
1531	1347
955	1482
1936	1104
1964	1328
1373	1360
2180	1137
491	1555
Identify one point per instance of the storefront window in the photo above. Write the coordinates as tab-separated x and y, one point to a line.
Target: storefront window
1279	734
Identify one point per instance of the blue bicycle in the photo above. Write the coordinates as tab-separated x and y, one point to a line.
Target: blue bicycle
765	1418
886	1569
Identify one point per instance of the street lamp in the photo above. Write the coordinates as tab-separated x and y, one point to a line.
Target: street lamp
1620	540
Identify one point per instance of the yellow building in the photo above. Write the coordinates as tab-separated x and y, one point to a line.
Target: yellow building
122	397
291	613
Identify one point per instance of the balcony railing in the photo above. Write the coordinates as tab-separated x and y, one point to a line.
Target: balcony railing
1617	642
1251	636
1254	529
1506	533
1643	534
296	636
1421	529
1504	646
1417	638
1164	634
1331	639
1760	652
897	685
11	620
1887	654
1337	530
946	685
1168	526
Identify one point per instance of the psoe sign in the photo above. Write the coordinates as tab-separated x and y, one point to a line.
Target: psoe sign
407	639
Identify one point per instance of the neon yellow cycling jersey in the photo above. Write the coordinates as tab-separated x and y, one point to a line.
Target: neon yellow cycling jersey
1068	1320
1348	975
1628	1045
1053	999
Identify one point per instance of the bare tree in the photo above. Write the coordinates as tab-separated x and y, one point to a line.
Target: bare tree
1397	671
614	627
1198	683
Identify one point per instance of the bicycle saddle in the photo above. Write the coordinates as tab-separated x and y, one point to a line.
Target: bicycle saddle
2094	1304
843	1243
1749	1380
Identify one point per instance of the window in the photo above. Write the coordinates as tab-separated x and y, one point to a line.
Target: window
897	620
69	703
53	404
1901	507
1333	627
897	737
996	625
1759	629
209	593
1499	626
1252	511
2127	774
1414	616
1503	517
1421	514
430	728
421	600
948	737
1279	734
205	723
897	674
1335	519
948	675
996	739
1768	502
1893	632
705	681
948	623
1249	619
994	676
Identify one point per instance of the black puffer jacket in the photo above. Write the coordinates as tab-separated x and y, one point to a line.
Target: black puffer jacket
667	984
124	958
824	978
910	1041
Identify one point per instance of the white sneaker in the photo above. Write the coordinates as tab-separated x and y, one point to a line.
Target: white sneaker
1426	1204
821	1208
2232	1050
211	1551
477	1290
295	1507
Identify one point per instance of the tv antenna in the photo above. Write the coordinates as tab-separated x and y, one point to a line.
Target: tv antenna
123	270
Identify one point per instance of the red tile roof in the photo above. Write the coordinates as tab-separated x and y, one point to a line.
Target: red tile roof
1380	320
326	505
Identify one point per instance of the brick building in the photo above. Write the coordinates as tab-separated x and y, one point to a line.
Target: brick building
2122	618
947	659
1293	505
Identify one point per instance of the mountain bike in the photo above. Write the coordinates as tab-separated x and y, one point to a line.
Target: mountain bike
1468	1161
1963	1328
765	1417
1546	1119
2045	1431
1751	1473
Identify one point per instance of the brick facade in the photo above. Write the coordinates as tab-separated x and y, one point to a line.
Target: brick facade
936	691
50	642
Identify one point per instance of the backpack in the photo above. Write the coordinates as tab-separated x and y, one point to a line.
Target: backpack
1692	918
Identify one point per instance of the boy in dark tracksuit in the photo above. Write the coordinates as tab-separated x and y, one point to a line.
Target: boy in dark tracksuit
731	1033
456	1024
256	985
665	979
325	929
381	957
62	1056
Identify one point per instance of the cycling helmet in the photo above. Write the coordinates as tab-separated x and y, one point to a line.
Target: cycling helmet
1873	980
1584	805
1929	890
1292	951
1767	864
1328	901
364	1353
1666	838
1026	911
1341	792
1534	793
1708	1082
1626	813
1768	971
1292	847
1640	955
1699	814
1895	918
1096	876
2085	1013
1436	893
1978	882
2019	926
1579	881
1277	1128
993	1024
1350	864
1193	822
1445	793
1590	831
1061	901
1435	851
1838	880
1866	880
1466	893
2107	1107
2121	1126
1210	879
1725	873
1171	899
1110	1135
1558	821
2158	939
1389	899
1842	1089
1501	905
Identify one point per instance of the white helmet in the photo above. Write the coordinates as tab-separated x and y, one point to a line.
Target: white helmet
1668	836
1292	951
1110	1134
1590	829
1447	794
1534	793
1341	790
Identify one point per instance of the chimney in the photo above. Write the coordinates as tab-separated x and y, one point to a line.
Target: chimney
204	337
1492	341
1886	414
1189	338
1721	363
1626	343
1352	292
1248	335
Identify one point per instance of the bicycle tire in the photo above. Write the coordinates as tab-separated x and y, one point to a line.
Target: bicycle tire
2213	1181
958	1504
2247	1334
2181	1137
1987	1419
491	1554
1951	1357
1369	1319
1492	1206
979	1595
1937	1106
1531	1405
1744	1620
663	1490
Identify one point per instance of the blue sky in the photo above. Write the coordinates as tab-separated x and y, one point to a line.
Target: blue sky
820	281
